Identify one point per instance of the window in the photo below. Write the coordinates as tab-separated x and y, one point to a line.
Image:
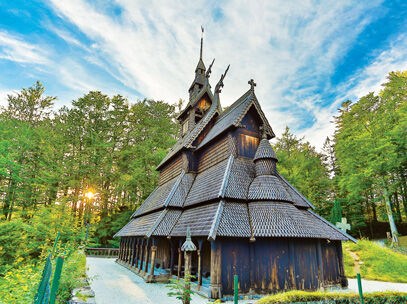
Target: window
248	145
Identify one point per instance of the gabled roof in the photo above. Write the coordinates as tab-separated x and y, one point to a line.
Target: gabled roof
188	139
234	115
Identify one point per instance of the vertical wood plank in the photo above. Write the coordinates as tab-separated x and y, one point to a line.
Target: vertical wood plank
216	256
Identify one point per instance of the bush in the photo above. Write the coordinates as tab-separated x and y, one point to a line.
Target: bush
305	296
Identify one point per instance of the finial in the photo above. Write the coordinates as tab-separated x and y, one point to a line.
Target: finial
188	245
252	84
209	71
200	54
219	85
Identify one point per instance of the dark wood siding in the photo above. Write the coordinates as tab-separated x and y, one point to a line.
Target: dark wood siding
213	154
306	265
170	171
276	264
331	262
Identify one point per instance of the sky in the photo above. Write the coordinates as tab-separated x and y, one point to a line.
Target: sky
306	57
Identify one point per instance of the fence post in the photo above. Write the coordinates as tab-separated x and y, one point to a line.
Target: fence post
360	288
236	298
55	281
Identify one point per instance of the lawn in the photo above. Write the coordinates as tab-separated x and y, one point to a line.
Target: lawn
403	241
378	263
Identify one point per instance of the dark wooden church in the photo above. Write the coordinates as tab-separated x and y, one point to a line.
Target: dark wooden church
221	180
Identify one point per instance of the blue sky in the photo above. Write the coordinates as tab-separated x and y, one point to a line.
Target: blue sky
305	56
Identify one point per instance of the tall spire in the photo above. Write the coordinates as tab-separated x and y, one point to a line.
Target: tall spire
200	54
200	69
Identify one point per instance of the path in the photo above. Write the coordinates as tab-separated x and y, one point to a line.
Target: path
373	286
356	260
114	284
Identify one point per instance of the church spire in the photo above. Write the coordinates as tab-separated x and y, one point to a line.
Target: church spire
200	54
200	69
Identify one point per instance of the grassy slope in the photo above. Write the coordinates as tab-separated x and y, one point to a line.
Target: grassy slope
379	263
403	241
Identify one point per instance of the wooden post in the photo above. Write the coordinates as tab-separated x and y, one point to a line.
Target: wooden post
187	273
137	251
140	267
172	256
320	265
179	260
120	248
133	252
199	252
153	251
251	268
147	255
216	286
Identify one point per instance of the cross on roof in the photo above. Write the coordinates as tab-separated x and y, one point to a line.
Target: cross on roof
252	84
343	225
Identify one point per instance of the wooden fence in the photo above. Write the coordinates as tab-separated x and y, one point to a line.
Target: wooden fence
102	252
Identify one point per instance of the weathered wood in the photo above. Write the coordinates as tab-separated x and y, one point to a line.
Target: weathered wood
147	255
292	275
153	253
172	253
199	253
187	273
320	264
137	253
140	267
179	263
133	252
216	259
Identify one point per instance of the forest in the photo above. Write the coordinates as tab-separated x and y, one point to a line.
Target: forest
50	158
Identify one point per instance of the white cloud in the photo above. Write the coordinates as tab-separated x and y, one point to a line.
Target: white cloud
286	47
367	79
289	48
15	49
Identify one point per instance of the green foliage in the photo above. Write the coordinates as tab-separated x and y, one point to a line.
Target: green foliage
19	285
305	296
379	263
180	290
336	214
303	167
73	274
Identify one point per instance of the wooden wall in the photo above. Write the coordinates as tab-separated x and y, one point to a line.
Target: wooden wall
170	171
273	265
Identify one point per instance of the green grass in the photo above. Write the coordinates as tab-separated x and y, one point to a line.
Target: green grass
380	264
349	264
304	296
403	241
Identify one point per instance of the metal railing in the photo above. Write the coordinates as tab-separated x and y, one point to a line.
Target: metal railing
102	252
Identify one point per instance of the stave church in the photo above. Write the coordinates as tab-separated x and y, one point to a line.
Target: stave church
221	182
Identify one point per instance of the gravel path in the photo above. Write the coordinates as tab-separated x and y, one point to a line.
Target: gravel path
372	286
114	284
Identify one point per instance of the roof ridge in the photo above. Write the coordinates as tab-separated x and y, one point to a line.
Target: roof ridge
157	222
226	175
174	188
296	191
333	226
234	105
215	224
